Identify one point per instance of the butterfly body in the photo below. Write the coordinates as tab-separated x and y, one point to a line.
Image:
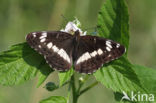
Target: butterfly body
86	53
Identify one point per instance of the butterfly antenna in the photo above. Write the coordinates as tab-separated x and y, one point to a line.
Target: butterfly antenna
94	32
95	28
64	17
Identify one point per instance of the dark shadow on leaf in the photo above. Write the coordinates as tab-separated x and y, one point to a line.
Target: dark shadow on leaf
45	68
34	59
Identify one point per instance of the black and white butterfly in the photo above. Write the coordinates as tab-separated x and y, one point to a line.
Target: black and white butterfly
87	53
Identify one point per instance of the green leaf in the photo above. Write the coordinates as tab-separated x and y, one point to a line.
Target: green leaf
118	96
45	70
147	77
119	76
113	21
54	99
18	64
65	76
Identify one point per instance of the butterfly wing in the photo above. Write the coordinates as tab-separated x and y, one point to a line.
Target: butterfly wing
55	46
92	52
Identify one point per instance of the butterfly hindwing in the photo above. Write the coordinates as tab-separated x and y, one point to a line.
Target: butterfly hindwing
55	46
92	52
88	53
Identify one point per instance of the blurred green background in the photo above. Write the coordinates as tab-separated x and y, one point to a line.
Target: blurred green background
19	17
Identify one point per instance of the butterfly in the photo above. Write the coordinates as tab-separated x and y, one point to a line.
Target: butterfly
86	53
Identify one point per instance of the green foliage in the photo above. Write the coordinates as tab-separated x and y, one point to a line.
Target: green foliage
113	21
147	77
119	76
65	76
45	70
54	99
118	97
21	63
18	64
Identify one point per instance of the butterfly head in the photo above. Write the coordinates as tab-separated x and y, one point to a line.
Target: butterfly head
77	35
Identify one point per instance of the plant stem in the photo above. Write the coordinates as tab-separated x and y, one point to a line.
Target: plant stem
75	97
76	93
69	89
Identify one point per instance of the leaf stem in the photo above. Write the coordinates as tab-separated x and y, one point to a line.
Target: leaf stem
87	88
76	92
81	83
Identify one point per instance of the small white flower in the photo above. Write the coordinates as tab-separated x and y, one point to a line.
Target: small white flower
84	33
73	26
77	22
81	79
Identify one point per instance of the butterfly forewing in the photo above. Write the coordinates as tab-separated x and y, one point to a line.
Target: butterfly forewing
92	52
55	46
88	53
